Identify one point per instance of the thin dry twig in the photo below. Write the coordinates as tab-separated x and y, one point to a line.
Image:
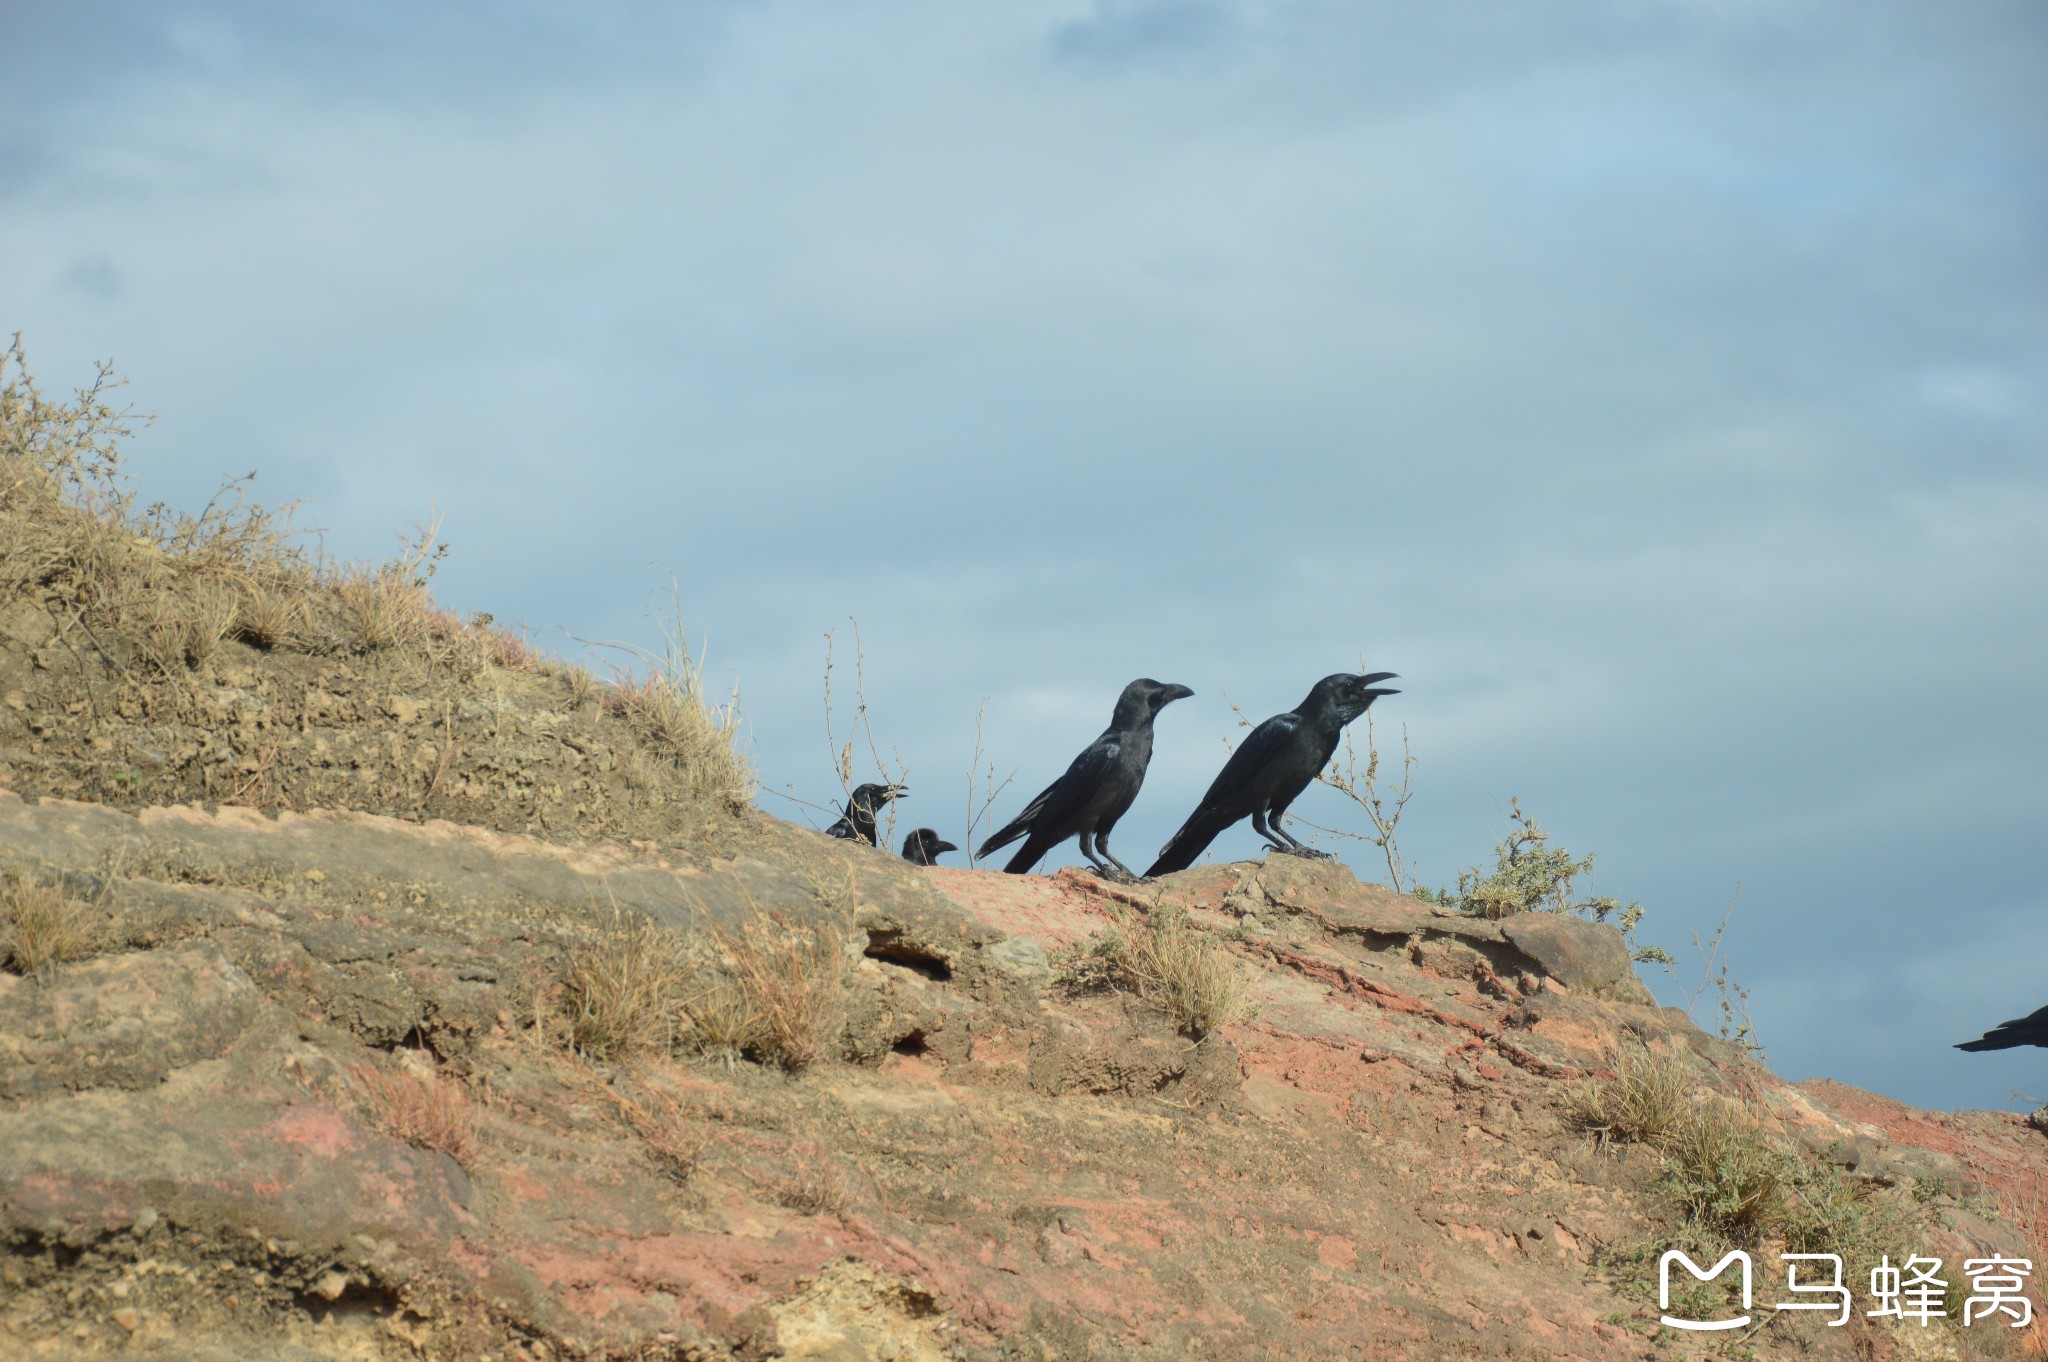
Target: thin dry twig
975	813
894	770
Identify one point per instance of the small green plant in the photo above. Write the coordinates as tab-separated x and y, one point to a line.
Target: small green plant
1532	876
1166	960
1725	1171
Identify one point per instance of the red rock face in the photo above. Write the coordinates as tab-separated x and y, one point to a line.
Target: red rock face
1373	1161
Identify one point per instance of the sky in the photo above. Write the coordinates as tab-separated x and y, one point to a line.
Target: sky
1657	386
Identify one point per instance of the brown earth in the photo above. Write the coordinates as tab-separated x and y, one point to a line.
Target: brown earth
1377	1164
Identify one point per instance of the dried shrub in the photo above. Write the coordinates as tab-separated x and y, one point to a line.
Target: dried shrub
780	996
41	927
183	629
273	610
430	1112
1167	961
1641	1104
622	987
815	1185
669	708
663	1128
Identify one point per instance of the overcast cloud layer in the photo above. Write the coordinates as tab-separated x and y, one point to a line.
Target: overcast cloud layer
1657	386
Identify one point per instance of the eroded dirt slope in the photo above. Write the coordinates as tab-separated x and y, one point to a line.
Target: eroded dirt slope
1376	1164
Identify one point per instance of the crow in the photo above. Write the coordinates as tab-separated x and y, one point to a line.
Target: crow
857	824
2031	1029
1097	788
922	847
1272	766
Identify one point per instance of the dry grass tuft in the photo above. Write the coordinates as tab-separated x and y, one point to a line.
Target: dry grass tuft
1724	1168
502	648
663	1127
382	609
1167	961
273	610
780	997
622	987
1641	1104
815	1185
669	708
40	927
427	1113
183	629
1183	971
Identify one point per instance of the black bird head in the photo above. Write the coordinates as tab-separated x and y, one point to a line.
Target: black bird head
1349	695
923	845
872	797
1145	697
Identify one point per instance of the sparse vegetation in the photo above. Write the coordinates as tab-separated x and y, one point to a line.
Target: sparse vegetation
779	996
131	620
669	707
1382	806
41	926
662	1127
1733	999
1532	876
431	1112
623	987
1725	1171
893	770
1733	1184
1639	1105
1166	960
815	1185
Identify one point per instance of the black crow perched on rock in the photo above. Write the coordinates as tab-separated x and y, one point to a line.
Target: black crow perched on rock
1272	766
922	847
1097	788
857	824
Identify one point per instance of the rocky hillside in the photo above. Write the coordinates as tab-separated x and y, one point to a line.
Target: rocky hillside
212	1139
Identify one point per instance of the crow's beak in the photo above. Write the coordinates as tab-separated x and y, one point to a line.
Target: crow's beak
1172	693
943	846
1374	678
1376	692
898	791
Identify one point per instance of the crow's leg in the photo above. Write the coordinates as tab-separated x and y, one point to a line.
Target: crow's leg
1093	859
1102	845
1115	871
1293	846
1259	826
